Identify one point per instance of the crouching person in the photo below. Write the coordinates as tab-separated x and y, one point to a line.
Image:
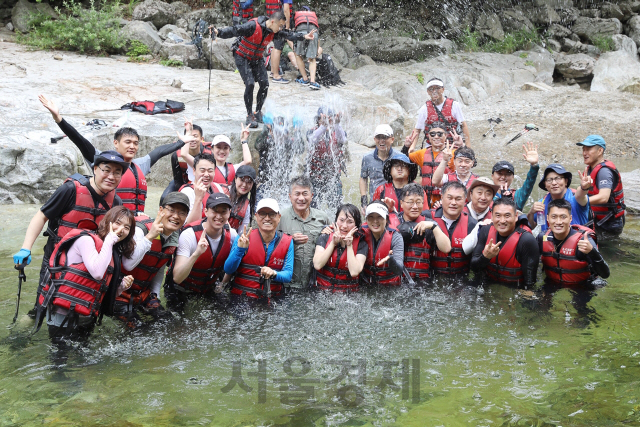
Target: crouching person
386	248
261	260
83	270
157	240
203	248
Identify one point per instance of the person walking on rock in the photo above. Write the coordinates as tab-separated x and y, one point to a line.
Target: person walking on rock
306	21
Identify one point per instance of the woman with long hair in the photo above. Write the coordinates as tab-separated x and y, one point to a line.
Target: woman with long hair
242	193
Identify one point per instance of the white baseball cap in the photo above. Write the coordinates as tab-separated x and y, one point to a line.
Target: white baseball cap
435	82
268	203
378	208
221	138
384	130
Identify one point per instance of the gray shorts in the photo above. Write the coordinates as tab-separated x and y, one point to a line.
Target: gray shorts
307	48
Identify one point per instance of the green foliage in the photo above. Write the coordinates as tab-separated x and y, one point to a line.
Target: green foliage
469	41
420	77
94	30
137	48
529	63
129	7
171	63
604	43
524	55
472	41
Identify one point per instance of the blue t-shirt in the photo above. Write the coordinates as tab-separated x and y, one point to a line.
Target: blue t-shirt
579	214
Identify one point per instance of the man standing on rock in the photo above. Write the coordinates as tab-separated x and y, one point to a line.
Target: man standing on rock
439	109
372	164
271	7
132	188
252	39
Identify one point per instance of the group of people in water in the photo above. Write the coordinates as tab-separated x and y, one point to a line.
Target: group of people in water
213	234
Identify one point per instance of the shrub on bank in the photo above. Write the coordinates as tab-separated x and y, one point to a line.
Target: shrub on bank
94	30
473	41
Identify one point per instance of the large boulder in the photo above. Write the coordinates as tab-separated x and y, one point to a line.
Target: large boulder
155	11
592	28
576	66
614	70
398	49
625	43
610	10
222	58
513	20
632	86
631	184
633	29
23	12
144	33
542	61
489	25
543	15
182	52
168	29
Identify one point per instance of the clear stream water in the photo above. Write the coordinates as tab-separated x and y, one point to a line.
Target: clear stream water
443	354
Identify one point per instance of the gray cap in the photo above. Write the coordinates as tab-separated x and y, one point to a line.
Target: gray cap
176	197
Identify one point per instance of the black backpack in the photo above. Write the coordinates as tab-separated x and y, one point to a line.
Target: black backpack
327	72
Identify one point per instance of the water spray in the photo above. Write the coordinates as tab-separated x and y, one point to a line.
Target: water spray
527	128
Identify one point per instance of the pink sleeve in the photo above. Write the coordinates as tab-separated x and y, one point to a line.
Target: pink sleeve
84	250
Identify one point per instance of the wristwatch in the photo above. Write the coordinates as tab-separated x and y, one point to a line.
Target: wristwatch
244	142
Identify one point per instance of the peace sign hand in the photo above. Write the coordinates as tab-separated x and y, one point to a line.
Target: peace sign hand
391	204
243	239
203	244
186	138
585	245
310	35
457	139
505	191
348	239
244	132
385	259
530	153
447	153
490	250
188	124
157	227
586	182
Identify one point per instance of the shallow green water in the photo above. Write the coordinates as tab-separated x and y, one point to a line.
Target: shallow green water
458	355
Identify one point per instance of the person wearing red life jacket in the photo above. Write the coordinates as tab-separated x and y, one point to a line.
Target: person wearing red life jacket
80	202
132	188
306	21
157	241
481	193
398	171
203	248
340	255
506	250
199	192
606	195
419	231
439	108
261	260
459	227
464	159
242	194
252	39
82	271
242	11
385	257
569	252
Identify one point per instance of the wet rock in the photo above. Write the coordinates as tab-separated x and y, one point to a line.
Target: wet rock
614	70
170	28
556	4
9	26
539	86
514	19
633	29
631	184
177	83
179	51
610	10
590	13
489	25
569	15
57	57
180	8
590	28
542	61
558	32
576	66
398	49
144	33
360	61
543	15
625	43
632	86
155	11
554	45
569	45
23	10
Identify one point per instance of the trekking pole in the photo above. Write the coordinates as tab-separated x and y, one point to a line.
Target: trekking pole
213	37
492	124
21	277
267	287
407	276
526	129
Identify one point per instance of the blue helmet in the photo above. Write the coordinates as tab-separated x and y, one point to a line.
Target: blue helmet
386	167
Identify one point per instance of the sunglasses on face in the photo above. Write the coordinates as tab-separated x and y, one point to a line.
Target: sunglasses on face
436	133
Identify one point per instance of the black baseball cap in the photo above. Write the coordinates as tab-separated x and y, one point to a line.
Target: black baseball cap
175	198
557	168
246	170
110	156
216	199
503	165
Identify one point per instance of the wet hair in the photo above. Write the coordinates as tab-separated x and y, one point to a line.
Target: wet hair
235	199
301	181
560	204
203	156
127	245
278	16
412	189
351	210
198	128
126	131
456	185
508	201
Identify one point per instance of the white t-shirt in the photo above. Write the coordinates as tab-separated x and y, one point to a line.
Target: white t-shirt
223	170
188	244
456	112
445	179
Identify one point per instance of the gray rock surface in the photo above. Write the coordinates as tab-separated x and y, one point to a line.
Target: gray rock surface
489	25
144	33
23	11
542	15
590	28
632	29
632	86
222	58
631	185
576	66
170	28
398	49
542	61
155	11
179	51
554	45
611	10
514	19
625	43
614	70
9	26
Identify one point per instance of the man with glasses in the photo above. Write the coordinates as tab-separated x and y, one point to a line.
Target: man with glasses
372	164
502	175
157	239
556	181
439	109
261	259
80	202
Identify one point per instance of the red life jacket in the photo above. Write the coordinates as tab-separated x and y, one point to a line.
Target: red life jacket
133	189
204	149
244	13
387	190
429	165
156	258
335	276
433	116
615	207
453	176
394	221
505	267
247	279
372	273
272	6
204	199
219	178
489	215
324	152
252	47
71	286
305	17
417	257
455	262
564	267
84	209
238	212
208	268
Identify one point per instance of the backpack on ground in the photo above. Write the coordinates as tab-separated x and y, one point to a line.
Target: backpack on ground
327	74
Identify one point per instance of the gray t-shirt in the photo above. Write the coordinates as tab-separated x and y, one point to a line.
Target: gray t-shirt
371	169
